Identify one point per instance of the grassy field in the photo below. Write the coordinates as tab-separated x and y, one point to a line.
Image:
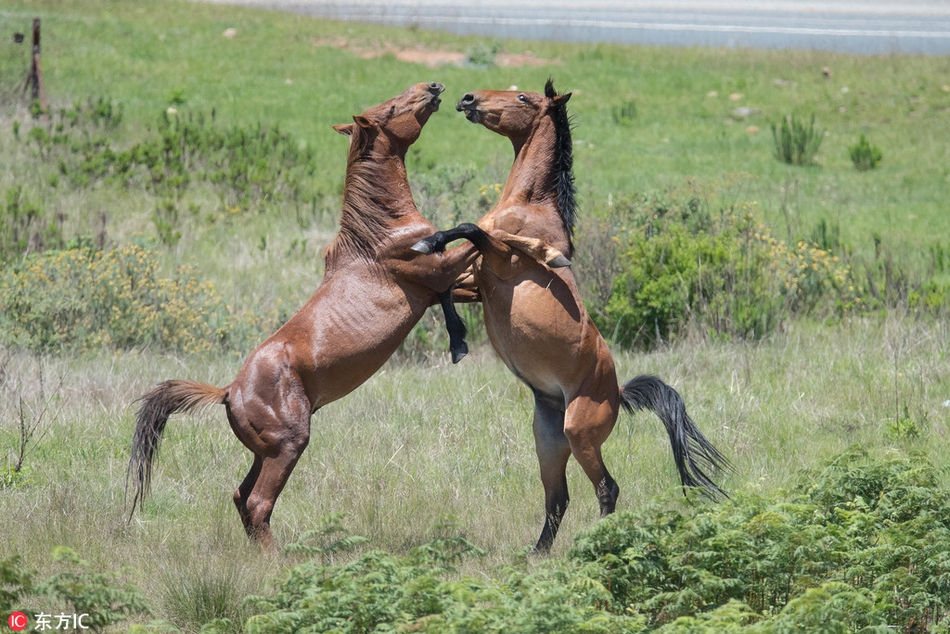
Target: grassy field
402	462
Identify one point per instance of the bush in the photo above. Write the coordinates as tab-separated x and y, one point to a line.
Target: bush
680	264
24	227
864	155
101	598
857	544
84	298
254	167
796	143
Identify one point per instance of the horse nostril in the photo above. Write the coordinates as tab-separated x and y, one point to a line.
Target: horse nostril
467	98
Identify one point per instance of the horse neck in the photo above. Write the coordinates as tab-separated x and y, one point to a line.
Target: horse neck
533	176
376	199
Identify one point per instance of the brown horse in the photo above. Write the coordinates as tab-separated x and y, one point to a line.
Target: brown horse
538	324
374	291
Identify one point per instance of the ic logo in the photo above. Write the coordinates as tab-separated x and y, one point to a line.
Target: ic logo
18	621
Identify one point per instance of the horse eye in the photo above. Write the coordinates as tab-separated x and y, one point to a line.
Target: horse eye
522	98
392	111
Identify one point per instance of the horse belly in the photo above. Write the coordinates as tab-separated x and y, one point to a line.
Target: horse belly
539	334
342	340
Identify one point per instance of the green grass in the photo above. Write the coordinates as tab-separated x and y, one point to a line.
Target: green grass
152	54
401	461
398	461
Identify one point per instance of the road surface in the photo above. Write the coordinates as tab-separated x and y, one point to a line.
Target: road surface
871	27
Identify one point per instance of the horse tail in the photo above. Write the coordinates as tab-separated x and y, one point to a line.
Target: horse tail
157	405
693	453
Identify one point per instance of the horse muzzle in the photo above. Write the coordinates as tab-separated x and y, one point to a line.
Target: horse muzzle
435	89
469	106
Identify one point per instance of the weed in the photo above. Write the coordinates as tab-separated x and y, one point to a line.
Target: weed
864	155
624	114
194	596
327	541
25	227
31	414
795	142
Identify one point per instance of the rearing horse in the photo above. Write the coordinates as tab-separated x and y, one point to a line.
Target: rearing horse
538	324
374	290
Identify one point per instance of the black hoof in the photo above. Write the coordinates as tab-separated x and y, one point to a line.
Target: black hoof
559	262
459	352
423	247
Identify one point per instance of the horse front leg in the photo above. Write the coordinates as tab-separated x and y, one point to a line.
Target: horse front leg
496	243
454	325
437	241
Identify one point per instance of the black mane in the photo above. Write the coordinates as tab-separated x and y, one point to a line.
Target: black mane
564	164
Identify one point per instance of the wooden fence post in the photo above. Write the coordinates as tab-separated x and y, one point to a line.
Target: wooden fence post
35	79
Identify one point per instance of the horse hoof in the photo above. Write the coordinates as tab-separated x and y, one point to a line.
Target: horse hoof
559	262
422	247
459	353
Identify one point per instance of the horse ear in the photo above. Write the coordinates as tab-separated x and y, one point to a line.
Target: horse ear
362	122
346	129
560	100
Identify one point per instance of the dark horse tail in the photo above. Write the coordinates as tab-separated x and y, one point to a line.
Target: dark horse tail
164	400
693	453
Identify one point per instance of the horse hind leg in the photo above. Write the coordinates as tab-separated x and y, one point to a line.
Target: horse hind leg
242	493
455	327
279	434
553	452
274	474
587	425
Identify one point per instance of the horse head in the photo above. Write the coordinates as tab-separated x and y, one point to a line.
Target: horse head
401	119
511	113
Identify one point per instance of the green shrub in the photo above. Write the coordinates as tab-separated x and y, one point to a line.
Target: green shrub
102	598
796	143
85	298
483	55
99	595
682	264
857	544
864	155
24	227
254	167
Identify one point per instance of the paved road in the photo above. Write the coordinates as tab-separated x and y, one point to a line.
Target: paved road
870	27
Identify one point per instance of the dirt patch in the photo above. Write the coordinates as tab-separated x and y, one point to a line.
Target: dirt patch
425	56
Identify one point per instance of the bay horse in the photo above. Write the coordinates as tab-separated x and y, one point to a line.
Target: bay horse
374	290
538	324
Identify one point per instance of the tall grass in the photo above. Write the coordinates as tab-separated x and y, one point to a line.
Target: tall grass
400	462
